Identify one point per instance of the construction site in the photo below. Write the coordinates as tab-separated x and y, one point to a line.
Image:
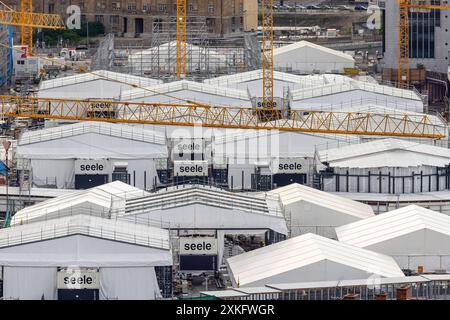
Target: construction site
261	156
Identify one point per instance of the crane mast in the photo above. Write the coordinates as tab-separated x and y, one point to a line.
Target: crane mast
404	68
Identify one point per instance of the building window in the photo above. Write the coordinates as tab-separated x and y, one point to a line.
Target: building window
147	7
99	19
210	7
422	33
115	5
162	7
190	7
132	6
114	19
51	8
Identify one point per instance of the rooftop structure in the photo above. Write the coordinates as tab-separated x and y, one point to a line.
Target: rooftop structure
308	258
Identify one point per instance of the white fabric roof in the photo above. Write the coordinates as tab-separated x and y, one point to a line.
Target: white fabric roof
183	85
85	225
393	224
98	201
304	250
306	44
386	153
98	75
349	85
258	74
111	129
297	192
92	140
203	207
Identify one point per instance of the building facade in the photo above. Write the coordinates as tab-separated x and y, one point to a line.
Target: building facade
140	17
429	46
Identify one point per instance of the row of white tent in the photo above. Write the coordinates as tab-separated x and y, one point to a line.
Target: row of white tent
310	92
356	244
410	238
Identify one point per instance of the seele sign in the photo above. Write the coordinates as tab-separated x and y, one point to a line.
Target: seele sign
78	279
91	167
198	246
190	168
189	146
294	165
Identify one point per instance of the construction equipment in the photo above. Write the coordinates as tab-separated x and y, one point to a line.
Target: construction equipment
307	121
181	38
404	71
27	20
267	54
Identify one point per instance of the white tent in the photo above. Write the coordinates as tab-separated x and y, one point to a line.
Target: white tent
413	235
311	210
203	207
396	161
307	57
101	201
52	152
386	153
308	258
125	254
94	85
179	92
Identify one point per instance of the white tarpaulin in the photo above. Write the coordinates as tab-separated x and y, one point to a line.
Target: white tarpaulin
29	283
83	251
128	284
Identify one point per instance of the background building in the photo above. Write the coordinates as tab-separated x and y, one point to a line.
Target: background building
135	17
429	47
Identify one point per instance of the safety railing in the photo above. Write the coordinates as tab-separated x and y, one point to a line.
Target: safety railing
183	85
182	197
124	131
15	236
98	75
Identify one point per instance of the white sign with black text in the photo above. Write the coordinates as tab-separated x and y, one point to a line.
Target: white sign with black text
198	246
190	168
78	279
91	167
293	165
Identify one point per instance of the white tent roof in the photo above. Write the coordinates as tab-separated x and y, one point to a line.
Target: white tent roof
393	224
99	201
386	153
93	140
350	85
183	85
306	44
98	75
115	130
203	207
297	192
85	225
304	250
258	74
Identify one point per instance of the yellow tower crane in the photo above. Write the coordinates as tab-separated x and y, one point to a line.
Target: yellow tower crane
27	20
181	38
404	68
267	54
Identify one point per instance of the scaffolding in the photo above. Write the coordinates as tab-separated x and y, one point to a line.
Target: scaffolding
206	57
5	54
